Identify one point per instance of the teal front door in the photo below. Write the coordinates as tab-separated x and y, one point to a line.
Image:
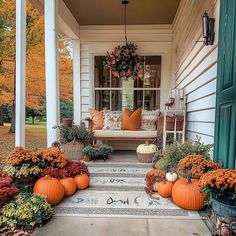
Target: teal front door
225	127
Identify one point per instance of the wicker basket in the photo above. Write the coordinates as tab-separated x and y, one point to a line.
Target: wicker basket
145	158
73	150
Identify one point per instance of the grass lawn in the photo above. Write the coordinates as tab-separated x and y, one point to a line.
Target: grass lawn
36	137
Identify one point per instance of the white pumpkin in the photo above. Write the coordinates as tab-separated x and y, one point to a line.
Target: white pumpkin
171	176
146	148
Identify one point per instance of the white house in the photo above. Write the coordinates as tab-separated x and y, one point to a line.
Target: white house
169	33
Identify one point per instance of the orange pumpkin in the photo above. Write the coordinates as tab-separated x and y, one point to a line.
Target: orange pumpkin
51	188
82	181
164	188
186	194
69	186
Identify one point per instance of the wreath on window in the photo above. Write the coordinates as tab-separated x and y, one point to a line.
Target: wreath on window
124	63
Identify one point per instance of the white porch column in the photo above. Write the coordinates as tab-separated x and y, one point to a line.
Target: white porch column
76	81
20	72
51	63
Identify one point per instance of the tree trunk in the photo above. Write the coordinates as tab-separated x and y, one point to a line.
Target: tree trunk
1	115
12	127
33	117
13	119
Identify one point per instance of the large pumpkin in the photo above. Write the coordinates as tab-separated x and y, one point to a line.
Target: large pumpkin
51	188
186	194
164	188
69	186
82	181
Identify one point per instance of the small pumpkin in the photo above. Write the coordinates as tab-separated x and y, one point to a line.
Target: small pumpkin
69	186
82	181
51	188
171	176
164	188
186	194
146	148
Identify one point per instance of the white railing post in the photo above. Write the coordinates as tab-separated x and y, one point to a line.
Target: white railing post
20	72
51	63
76	81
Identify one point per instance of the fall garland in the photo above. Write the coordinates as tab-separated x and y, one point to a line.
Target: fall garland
124	62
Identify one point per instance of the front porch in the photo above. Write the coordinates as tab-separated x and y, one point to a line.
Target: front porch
177	62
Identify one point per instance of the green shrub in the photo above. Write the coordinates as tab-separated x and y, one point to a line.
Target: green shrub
176	151
26	210
77	133
96	151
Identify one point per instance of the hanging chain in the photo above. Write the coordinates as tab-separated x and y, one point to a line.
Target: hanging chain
126	24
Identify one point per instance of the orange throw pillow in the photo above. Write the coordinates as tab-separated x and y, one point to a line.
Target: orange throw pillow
97	118
131	120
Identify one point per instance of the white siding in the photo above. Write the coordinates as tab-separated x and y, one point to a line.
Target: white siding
195	67
85	101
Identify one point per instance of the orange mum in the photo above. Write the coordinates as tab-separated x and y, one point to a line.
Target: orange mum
219	179
53	156
196	165
19	155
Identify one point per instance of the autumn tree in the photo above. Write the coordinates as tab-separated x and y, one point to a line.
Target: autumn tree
35	61
7	50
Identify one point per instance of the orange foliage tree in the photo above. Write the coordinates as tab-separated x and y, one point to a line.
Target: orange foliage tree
35	67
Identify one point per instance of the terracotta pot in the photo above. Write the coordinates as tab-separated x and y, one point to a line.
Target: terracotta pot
68	122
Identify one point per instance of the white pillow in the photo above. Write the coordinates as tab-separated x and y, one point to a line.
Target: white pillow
149	119
112	120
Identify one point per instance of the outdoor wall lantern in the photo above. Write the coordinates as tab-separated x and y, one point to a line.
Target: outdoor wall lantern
208	32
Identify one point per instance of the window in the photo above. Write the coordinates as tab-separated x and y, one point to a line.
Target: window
116	94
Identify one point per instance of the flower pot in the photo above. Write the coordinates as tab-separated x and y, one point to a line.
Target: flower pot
225	207
73	150
68	122
224	217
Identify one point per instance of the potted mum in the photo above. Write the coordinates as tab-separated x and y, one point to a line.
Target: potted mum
220	186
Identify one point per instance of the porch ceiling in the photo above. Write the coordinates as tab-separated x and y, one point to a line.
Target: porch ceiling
111	12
